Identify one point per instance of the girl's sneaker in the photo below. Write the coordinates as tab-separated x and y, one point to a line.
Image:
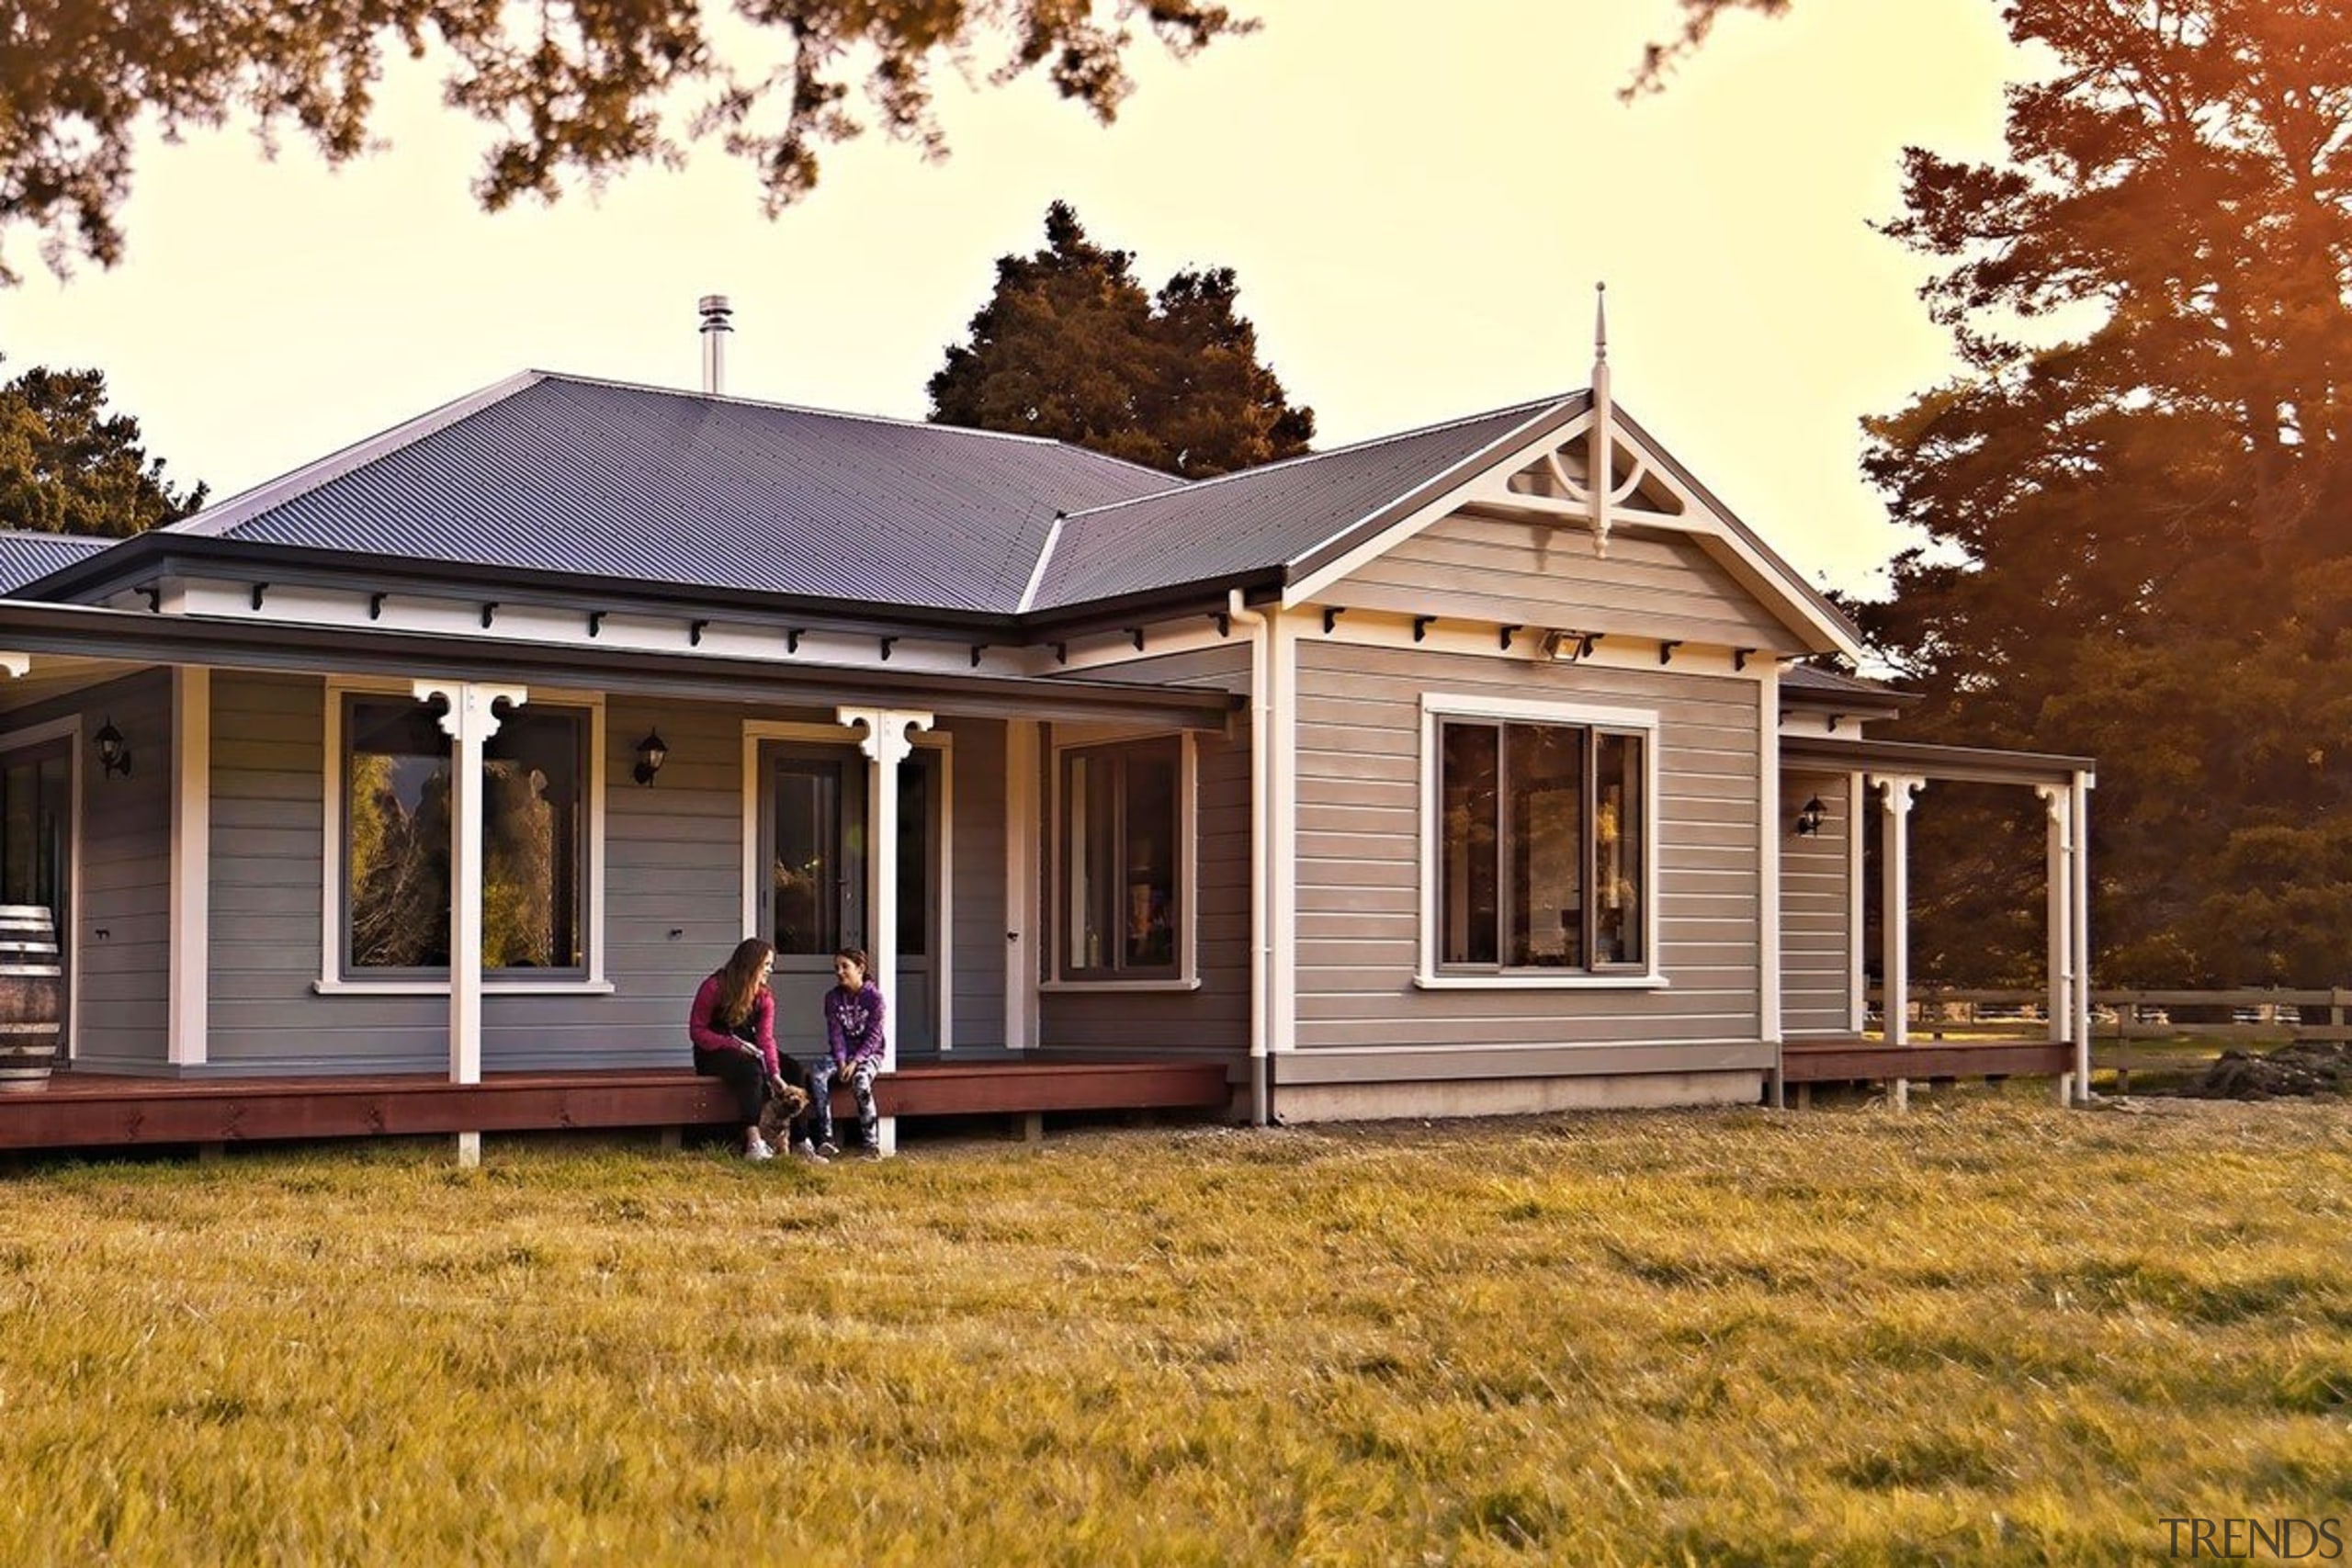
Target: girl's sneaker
807	1151
757	1149
828	1149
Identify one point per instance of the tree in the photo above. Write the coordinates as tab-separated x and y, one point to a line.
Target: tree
1070	346
68	467
2132	502
1698	18
574	87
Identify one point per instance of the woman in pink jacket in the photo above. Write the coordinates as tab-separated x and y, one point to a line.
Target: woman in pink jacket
732	1026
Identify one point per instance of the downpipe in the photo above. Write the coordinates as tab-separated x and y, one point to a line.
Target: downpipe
1262	756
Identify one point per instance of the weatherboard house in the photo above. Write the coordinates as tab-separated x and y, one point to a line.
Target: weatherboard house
1465	771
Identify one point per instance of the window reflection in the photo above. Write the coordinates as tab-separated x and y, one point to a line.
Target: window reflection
1542	846
1121	821
396	845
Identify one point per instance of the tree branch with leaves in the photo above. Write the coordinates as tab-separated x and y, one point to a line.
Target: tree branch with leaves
571	89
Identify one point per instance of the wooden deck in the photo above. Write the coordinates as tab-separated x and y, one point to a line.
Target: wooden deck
1852	1061
94	1110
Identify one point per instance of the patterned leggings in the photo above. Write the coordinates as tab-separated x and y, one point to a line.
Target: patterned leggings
861	1085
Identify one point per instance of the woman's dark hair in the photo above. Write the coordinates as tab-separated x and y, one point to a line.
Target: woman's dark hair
739	983
857	955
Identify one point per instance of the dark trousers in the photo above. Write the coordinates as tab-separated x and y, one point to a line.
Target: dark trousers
739	1071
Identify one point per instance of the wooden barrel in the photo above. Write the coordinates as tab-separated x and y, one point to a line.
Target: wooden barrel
31	986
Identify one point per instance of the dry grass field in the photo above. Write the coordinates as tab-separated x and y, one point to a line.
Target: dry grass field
1989	1331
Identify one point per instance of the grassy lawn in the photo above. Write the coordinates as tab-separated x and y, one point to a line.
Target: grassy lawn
1989	1331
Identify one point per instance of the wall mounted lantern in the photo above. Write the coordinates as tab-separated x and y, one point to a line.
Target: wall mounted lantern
114	755
1810	818
651	753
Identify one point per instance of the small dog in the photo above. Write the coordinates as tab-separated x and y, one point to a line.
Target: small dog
783	1122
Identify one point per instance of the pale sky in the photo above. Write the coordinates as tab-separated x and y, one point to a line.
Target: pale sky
1417	198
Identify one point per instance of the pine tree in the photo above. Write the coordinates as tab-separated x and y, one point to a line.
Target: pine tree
2131	505
1070	346
68	467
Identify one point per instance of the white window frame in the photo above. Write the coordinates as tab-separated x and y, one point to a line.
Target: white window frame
1439	707
333	981
1076	738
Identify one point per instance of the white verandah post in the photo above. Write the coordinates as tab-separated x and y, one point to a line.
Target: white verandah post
887	743
470	720
1897	791
2079	928
2059	803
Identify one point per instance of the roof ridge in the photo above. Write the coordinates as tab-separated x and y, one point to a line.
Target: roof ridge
856	417
96	541
1364	445
1045	555
270	494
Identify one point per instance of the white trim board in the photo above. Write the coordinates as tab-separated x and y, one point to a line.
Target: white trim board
187	1035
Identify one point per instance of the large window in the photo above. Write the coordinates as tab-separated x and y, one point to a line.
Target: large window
1122	848
396	839
1542	838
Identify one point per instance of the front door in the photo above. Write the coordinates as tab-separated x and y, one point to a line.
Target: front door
813	832
36	847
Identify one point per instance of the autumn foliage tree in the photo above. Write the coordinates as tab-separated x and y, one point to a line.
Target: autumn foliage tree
2132	507
69	466
1070	346
577	88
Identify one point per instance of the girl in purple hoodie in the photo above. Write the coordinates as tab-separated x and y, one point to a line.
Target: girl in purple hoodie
854	1013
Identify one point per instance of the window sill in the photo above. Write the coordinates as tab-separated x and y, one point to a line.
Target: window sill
1192	985
1524	982
331	987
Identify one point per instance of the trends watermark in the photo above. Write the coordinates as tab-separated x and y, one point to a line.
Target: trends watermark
2287	1540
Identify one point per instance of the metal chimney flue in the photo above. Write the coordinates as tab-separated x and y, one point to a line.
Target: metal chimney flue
717	320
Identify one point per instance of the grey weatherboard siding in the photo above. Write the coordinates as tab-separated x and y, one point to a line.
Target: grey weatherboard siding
1214	1018
126	879
1359	877
674	863
1817	913
1517	573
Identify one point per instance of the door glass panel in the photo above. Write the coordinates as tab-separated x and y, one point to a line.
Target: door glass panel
20	833
56	817
808	877
914	858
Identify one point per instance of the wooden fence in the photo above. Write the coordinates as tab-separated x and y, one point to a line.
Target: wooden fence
2247	1017
2121	1016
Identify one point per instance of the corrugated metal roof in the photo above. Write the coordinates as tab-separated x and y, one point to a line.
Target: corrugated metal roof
26	556
1263	518
566	474
1811	679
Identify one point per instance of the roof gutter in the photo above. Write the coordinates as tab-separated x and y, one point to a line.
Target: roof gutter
90	632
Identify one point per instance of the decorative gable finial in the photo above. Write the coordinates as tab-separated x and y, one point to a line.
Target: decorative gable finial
1600	490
